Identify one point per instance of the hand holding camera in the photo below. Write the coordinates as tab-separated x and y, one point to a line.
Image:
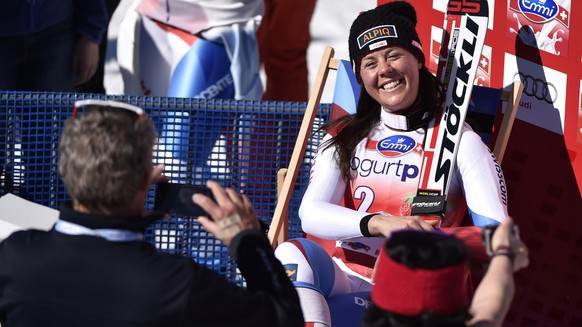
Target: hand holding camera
229	212
504	239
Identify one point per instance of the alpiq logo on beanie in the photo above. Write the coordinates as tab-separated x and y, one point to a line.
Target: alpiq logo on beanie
388	25
376	33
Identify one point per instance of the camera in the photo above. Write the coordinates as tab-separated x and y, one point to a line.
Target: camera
488	235
176	198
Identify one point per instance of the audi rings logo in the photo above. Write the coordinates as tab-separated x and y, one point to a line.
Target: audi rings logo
538	88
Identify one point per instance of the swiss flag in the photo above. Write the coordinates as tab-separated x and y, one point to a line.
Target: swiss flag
484	64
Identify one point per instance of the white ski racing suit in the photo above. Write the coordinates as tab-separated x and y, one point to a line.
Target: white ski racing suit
385	171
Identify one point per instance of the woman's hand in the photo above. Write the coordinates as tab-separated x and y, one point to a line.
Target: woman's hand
381	225
231	212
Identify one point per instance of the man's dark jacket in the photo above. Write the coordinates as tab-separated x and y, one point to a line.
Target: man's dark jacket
55	279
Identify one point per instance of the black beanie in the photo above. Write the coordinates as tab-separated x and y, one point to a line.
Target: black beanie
388	25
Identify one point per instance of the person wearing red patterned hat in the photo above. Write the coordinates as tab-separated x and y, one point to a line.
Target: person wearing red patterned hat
367	168
420	281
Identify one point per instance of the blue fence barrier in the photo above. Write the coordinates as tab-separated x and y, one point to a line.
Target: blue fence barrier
240	144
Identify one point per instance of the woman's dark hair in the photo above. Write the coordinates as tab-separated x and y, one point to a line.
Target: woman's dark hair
426	251
354	128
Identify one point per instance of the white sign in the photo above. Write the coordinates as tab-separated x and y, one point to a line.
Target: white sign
17	213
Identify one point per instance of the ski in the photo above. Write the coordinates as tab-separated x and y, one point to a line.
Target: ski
464	30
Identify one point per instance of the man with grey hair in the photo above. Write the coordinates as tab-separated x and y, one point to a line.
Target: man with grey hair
93	268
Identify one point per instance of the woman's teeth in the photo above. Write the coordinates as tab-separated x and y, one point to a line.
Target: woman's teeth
391	85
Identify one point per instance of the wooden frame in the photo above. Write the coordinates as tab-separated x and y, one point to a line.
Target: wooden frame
278	230
512	97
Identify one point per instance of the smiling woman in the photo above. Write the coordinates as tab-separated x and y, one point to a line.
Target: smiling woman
367	167
390	76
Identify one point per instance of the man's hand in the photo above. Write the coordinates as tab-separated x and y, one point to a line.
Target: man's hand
231	213
85	60
157	176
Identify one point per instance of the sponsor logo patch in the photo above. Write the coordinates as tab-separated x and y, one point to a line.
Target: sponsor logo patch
377	45
359	246
375	34
291	270
396	145
539	11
